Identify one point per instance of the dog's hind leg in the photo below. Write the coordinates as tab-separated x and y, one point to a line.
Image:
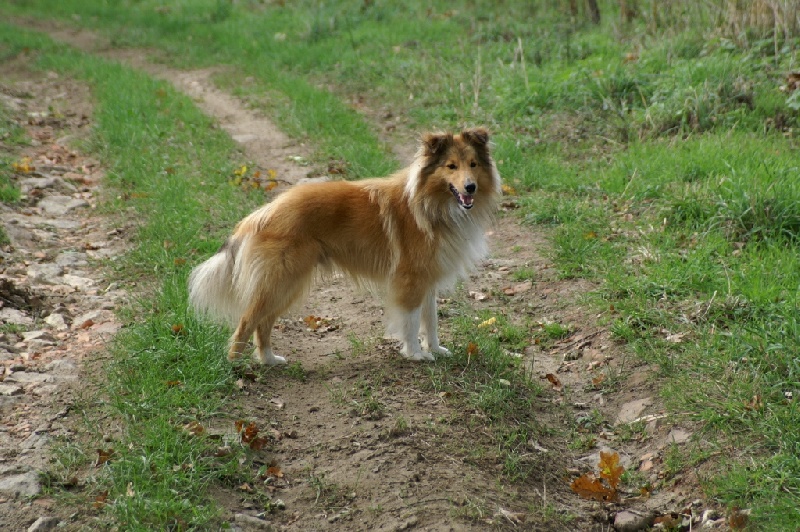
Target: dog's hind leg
263	353
429	327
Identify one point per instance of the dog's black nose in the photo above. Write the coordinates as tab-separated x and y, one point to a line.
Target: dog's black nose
470	188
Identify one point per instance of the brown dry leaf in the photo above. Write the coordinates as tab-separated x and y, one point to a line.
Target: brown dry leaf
312	322
591	235
179	262
173	384
258	443
86	324
737	520
222	452
178	328
245	487
100	500
130	491
248	432
589	486
104	455
275	471
646	491
597	381
610	468
472	349
194	428
168	244
557	386
754	404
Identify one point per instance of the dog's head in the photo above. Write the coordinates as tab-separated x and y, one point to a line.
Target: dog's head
458	167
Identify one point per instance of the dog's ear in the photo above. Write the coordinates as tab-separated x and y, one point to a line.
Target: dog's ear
478	137
435	144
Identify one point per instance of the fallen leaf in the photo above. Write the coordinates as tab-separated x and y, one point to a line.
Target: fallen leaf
179	262
610	468
589	486
275	471
23	166
194	428
737	519
103	456
177	328
557	386
472	349
258	443
754	404
86	324
129	491
487	323
508	190
245	487
596	381
173	384
100	500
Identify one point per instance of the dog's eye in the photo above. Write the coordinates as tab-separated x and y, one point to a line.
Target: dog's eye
452	166
473	164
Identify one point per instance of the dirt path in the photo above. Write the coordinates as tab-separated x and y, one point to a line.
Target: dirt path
365	445
56	309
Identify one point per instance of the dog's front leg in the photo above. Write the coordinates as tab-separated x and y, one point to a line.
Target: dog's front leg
409	335
429	327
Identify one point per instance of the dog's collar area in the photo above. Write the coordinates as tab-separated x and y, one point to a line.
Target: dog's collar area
465	200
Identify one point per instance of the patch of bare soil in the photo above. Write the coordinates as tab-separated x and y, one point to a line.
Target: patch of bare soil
362	441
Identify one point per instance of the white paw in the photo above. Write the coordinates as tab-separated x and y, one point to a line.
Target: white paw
268	358
276	361
442	351
420	355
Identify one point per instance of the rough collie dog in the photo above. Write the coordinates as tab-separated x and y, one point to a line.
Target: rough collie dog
409	234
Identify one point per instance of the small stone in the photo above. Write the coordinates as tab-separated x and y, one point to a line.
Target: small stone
10	389
61	367
60	205
632	410
629	521
40	335
252	521
80	283
57	322
15	317
43	524
21	484
44	273
677	435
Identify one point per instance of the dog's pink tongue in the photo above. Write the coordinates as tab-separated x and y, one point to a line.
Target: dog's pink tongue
466	199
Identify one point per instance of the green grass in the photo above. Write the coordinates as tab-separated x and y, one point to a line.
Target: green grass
11	136
659	153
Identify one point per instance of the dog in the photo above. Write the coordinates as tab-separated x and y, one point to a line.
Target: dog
409	235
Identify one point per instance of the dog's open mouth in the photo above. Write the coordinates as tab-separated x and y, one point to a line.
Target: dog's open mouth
465	200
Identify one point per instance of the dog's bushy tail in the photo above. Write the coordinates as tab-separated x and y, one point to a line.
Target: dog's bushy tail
212	285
